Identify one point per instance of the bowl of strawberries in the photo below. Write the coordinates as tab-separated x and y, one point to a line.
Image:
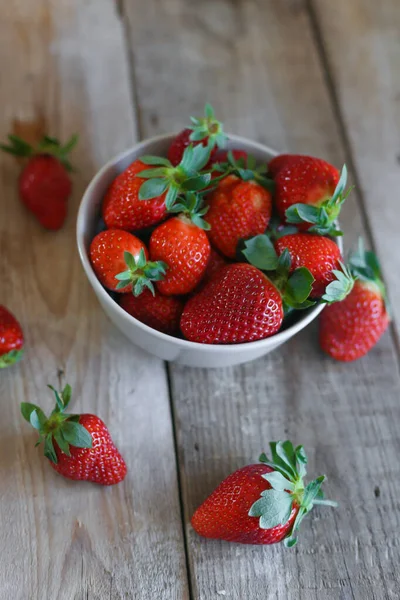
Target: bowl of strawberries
210	249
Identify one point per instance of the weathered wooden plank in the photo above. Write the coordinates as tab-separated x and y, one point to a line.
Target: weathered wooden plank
362	44
257	63
64	69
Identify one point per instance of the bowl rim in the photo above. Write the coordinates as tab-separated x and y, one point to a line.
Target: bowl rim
275	339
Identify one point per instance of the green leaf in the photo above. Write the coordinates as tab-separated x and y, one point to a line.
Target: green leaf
59	401
273	508
141	259
284	263
66	395
152	173
289	542
49	451
260	252
63	445
155	160
122	284
124	276
299	285
209	111
198	135
76	435
10	358
283	454
129	260
152	188
278	481
171	196
199	158
37	419
298	213
340	185
70	145
301	458
26	410
251	162
201	223
196	183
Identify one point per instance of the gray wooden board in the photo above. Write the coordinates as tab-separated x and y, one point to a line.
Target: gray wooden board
63	69
258	63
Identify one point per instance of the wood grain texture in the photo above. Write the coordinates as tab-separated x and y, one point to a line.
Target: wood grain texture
64	69
362	45
257	62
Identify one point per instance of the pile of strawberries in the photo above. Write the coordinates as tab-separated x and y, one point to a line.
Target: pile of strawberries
212	246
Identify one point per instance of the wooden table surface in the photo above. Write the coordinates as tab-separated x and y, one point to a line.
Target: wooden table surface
308	76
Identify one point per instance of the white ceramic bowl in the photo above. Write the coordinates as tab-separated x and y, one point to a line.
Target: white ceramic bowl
160	344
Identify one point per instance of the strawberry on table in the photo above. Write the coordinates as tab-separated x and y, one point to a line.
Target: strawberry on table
159	312
120	261
11	338
350	329
262	503
44	183
182	244
309	192
241	304
79	447
124	209
207	131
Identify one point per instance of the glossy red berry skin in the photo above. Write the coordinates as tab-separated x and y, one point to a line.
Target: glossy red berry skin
181	142
302	179
122	208
238	305
222	155
44	188
101	464
107	255
11	336
351	328
185	249
224	514
159	312
237	209
320	255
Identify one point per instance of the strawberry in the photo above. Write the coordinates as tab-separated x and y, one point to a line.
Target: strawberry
308	192
262	503
237	209
351	328
215	263
241	304
120	261
79	447
44	182
11	339
122	206
206	131
319	254
185	249
156	311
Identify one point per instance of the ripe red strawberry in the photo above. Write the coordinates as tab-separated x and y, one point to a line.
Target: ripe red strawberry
122	208
205	131
185	249
44	182
308	192
120	261
159	312
237	209
215	263
262	503
240	304
11	339
79	447
351	328
319	254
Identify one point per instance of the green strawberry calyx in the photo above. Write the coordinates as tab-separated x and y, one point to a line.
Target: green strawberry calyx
341	286
59	427
175	181
192	206
295	287
364	266
208	127
10	358
140	273
324	216
47	145
245	168
288	490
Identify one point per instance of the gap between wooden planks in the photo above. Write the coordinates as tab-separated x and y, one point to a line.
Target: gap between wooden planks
64	69
258	63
